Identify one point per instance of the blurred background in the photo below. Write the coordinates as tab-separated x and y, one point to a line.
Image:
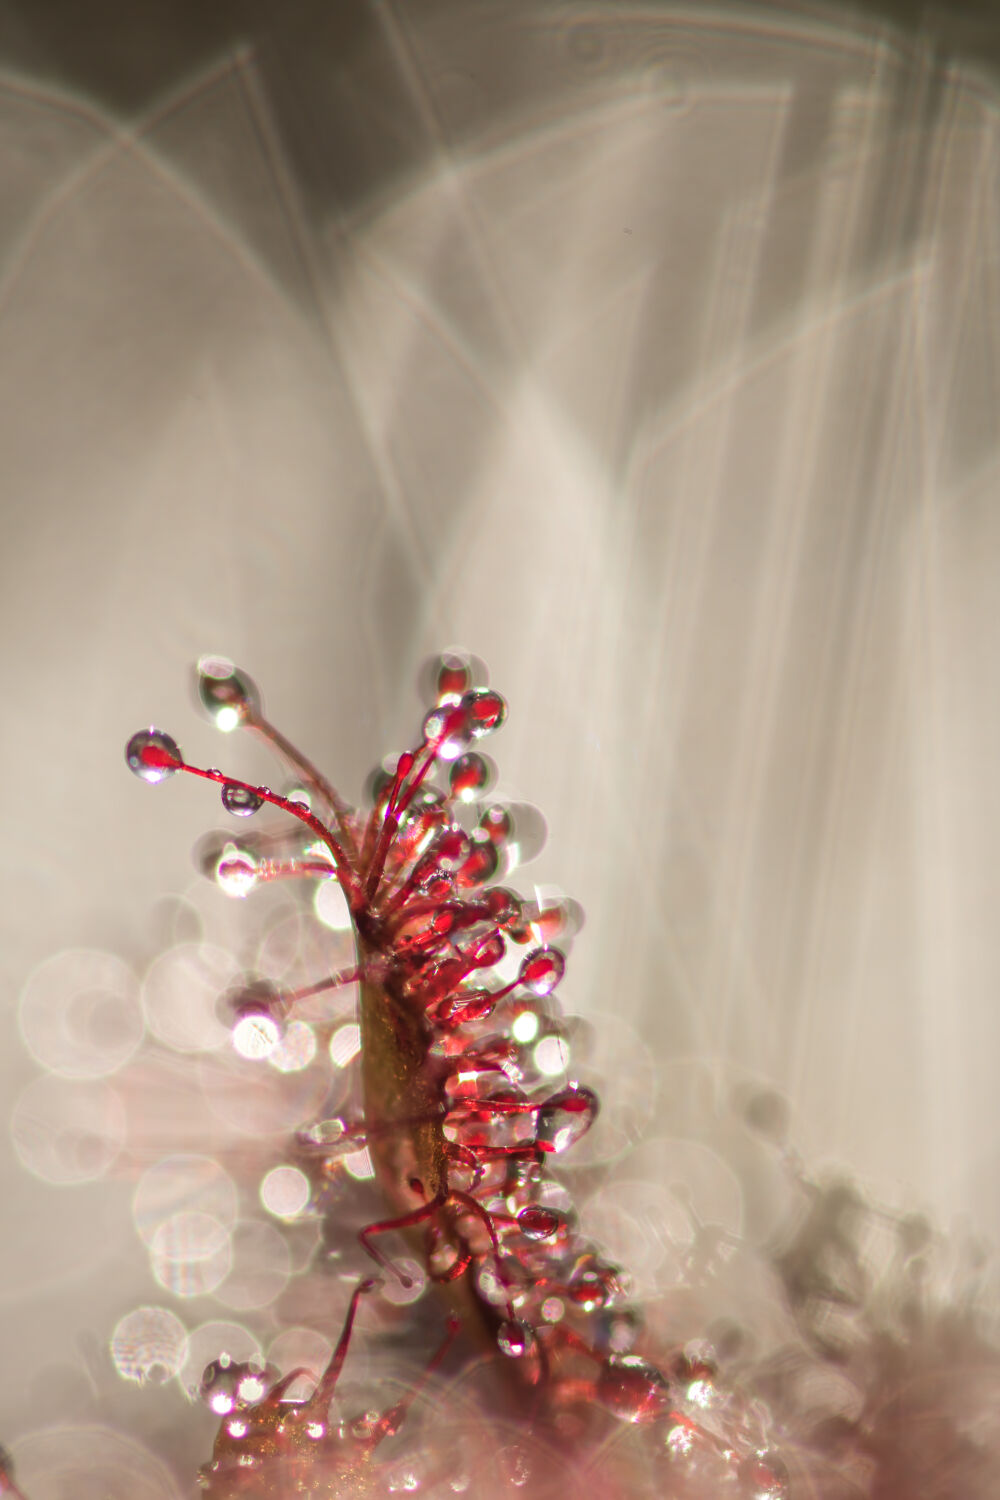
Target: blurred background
650	353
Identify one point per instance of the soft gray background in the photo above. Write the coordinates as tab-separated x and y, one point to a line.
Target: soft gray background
649	352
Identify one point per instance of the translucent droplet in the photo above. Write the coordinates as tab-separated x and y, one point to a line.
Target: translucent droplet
449	850
632	1389
515	1339
485	711
696	1372
152	755
482	862
763	1476
447	729
497	823
227	1385
241	801
504	907
566	1116
538	1223
542	970
592	1284
325	1132
230	696
452	674
469	775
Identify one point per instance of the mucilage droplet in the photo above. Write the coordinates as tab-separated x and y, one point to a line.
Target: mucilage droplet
230	696
153	756
241	801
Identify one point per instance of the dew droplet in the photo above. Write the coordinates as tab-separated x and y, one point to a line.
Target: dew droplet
542	970
503	906
220	1384
696	1372
566	1116
229	695
538	1223
592	1283
152	755
447	729
485	711
515	1339
452	674
631	1388
763	1476
449	850
483	860
468	775
497	822
241	801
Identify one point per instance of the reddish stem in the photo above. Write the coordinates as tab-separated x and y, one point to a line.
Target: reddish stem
331	982
405	1221
323	1394
315	779
345	871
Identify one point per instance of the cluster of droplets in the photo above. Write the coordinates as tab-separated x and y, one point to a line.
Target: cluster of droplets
269	1445
477	965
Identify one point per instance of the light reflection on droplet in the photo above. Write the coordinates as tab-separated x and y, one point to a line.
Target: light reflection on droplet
261	1267
285	1192
296	1049
183	1182
66	1131
551	1056
211	1341
256	1036
190	1254
80	1015
359	1165
331	907
345	1044
180	994
149	1344
296	1348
